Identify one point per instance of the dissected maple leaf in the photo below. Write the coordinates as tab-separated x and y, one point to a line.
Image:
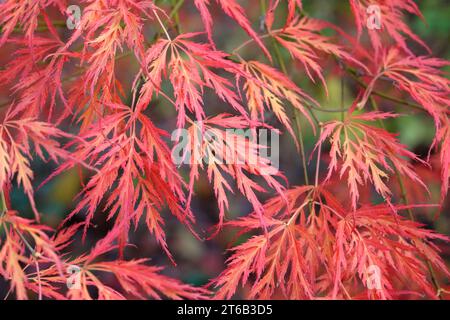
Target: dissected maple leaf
292	6
388	18
134	278
367	153
443	138
40	77
267	88
315	248
25	243
138	280
15	13
373	241
224	152
270	257
304	42
15	147
236	12
134	173
40	90
189	67
106	27
420	77
20	66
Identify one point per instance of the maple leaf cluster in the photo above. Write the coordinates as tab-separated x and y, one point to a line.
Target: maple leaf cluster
348	233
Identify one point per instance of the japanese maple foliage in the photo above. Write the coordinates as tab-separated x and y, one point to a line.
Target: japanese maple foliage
70	107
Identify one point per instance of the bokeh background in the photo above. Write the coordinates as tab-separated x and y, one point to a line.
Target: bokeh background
200	261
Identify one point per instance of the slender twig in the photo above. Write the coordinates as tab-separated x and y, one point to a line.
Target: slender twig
342	99
3	207
38	272
250	41
175	15
355	77
302	145
176	8
319	153
40	27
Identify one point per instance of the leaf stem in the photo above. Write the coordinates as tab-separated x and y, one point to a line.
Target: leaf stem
319	154
3	206
162	25
342	99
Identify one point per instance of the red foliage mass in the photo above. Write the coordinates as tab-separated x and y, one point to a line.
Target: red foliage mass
305	243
